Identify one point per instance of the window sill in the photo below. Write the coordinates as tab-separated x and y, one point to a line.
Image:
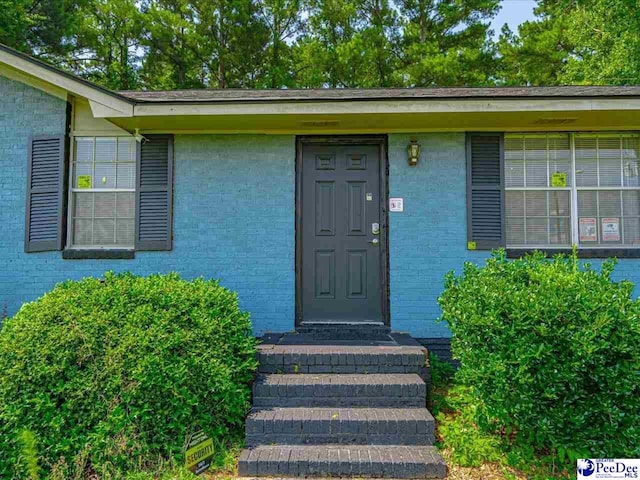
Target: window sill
582	253
98	254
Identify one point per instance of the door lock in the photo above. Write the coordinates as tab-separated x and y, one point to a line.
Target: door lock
374	242
375	228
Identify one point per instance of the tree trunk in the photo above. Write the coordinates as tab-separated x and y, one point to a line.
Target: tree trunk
222	73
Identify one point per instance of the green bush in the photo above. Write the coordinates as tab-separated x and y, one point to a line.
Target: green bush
552	352
112	375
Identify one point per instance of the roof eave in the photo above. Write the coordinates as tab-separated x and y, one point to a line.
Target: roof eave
104	102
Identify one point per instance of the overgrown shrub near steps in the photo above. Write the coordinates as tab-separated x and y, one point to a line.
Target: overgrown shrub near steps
551	349
111	375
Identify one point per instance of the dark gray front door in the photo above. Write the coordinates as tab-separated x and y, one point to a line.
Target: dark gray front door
341	235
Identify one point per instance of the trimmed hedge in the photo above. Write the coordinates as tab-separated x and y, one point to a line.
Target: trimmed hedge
112	375
551	349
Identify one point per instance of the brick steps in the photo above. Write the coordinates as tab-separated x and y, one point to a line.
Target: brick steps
374	426
324	406
341	359
351	331
339	390
342	461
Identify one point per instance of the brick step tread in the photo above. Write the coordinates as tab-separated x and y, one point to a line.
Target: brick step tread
341	359
375	426
389	461
332	390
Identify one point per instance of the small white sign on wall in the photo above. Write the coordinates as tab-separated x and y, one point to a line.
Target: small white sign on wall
396	205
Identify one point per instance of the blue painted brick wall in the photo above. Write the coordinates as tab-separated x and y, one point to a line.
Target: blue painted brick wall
234	219
233	214
429	238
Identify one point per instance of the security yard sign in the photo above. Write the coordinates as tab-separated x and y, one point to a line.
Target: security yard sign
199	454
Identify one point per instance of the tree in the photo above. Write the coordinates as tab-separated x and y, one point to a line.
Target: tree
537	55
605	35
44	28
107	44
446	42
283	22
574	41
173	56
320	53
233	40
378	39
351	43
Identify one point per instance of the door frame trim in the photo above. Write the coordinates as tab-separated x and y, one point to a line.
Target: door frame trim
382	142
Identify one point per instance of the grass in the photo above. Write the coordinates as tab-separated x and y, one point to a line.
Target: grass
472	454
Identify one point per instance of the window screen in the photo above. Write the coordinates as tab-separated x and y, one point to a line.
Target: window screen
103	192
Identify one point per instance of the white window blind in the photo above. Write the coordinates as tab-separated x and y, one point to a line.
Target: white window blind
607	189
103	192
540	171
536	212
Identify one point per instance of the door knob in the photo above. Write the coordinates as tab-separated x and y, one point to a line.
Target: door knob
375	241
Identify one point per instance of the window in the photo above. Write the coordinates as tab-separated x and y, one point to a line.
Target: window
564	189
103	192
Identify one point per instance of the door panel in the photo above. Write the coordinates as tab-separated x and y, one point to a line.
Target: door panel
340	265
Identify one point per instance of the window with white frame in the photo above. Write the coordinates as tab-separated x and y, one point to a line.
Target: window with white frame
563	189
103	192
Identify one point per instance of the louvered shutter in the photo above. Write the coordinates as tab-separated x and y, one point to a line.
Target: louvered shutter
485	191
154	193
46	194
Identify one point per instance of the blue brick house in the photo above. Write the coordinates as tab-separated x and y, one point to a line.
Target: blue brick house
316	206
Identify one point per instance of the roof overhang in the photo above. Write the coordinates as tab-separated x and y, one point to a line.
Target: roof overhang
104	103
384	121
335	111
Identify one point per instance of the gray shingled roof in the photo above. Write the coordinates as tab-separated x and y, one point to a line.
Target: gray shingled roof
240	95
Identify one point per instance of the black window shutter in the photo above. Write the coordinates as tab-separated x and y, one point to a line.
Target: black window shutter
46	194
485	191
154	193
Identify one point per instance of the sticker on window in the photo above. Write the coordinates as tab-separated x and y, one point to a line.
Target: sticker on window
84	181
588	231
559	180
610	229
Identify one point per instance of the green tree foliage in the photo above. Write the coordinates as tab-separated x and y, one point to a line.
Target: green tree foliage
379	38
574	42
351	43
606	39
283	22
107	44
446	42
169	44
44	28
323	53
173	52
232	41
